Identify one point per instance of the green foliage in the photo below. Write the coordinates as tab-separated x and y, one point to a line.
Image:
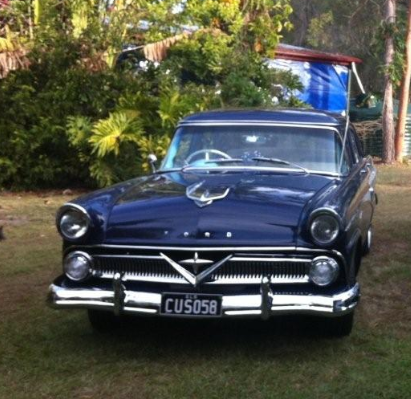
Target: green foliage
316	36
397	31
153	145
35	105
109	134
73	118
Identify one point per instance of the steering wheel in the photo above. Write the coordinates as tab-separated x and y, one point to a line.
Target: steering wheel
207	153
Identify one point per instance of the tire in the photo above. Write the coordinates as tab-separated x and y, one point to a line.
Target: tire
339	327
102	321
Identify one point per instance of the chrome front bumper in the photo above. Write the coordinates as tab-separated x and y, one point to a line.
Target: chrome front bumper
120	300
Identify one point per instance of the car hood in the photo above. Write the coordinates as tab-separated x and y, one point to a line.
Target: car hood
248	209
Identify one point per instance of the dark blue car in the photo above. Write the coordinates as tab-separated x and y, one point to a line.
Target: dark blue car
251	214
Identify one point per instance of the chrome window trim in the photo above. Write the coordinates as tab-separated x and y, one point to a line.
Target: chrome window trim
320	125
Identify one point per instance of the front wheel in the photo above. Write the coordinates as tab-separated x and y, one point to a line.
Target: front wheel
339	327
102	321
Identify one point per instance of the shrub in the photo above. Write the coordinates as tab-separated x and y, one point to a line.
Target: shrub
35	106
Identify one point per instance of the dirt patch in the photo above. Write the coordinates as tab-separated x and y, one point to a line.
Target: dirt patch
17	292
45	193
12	220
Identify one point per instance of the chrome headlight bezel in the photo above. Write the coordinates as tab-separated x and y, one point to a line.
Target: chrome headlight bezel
315	217
81	213
78	254
334	270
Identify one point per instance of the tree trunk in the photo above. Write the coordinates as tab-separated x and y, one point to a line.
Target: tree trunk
405	92
388	110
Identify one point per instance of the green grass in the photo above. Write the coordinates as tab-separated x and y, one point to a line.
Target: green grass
51	354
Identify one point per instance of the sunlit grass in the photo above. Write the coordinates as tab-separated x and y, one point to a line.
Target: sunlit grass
50	354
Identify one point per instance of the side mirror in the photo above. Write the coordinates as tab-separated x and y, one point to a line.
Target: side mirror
152	159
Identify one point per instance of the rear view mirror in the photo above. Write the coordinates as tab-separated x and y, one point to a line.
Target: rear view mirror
152	159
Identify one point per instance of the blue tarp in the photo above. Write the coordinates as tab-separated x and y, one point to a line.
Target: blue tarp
325	85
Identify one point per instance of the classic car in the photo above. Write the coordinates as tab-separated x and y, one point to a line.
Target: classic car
252	213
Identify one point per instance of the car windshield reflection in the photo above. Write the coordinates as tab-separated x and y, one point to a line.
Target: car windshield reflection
276	148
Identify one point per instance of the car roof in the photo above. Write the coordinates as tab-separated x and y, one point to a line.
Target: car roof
256	116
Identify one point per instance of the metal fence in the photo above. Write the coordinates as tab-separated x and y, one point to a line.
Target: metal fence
373	142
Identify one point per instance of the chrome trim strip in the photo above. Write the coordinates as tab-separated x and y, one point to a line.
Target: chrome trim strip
202	261
274	260
200	249
128	256
221	281
319	125
193	249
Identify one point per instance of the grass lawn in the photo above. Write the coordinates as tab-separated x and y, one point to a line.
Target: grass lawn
54	354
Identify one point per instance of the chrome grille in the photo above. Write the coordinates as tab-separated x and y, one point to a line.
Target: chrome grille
239	269
258	269
134	266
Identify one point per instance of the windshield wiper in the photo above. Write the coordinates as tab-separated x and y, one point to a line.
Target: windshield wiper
217	161
280	162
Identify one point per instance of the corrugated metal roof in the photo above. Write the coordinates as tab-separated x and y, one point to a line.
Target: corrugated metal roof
288	52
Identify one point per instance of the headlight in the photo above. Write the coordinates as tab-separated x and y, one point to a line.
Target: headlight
73	222
324	228
77	266
324	271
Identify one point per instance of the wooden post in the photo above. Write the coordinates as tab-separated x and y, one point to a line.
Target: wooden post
388	109
405	93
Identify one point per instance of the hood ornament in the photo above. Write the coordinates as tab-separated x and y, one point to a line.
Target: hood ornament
196	263
203	196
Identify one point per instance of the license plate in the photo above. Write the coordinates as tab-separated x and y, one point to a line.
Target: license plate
200	305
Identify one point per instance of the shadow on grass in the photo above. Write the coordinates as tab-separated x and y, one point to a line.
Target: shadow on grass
177	338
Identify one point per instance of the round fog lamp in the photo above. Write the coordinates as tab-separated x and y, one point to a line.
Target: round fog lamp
324	271
77	266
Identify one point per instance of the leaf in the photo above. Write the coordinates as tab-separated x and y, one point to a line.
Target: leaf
108	134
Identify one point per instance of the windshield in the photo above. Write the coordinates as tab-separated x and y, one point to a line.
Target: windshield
279	147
